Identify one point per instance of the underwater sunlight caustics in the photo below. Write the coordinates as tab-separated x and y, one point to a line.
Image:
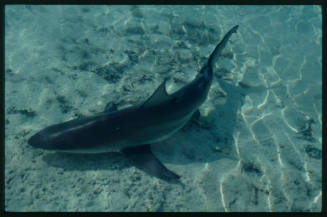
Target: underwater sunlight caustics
133	129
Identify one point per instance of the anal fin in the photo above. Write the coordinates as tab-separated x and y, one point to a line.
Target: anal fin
143	158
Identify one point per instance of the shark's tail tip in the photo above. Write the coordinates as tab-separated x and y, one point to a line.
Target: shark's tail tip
234	29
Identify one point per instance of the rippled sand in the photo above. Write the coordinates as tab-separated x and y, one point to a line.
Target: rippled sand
256	146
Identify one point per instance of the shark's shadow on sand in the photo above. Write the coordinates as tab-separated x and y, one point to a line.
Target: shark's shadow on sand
175	150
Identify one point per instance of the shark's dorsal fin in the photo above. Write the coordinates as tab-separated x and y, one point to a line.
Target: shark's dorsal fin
160	95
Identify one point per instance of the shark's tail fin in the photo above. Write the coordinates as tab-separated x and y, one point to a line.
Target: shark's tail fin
221	45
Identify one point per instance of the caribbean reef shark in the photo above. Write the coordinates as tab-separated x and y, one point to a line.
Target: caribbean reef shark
133	129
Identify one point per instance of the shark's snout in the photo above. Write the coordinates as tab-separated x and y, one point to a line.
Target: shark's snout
38	141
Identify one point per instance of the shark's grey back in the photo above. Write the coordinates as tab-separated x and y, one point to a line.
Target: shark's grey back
131	130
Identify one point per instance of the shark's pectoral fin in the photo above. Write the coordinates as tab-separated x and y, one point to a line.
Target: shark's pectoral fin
143	159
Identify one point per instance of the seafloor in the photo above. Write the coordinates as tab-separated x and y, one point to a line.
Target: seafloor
255	147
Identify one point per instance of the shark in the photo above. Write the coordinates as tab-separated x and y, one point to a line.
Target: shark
134	129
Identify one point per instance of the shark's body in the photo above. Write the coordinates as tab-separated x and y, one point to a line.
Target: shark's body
131	130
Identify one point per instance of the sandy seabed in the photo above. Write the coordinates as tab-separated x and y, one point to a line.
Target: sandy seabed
256	146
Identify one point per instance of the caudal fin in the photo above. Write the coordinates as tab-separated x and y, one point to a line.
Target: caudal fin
221	45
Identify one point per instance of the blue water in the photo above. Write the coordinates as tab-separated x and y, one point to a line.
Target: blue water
256	146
